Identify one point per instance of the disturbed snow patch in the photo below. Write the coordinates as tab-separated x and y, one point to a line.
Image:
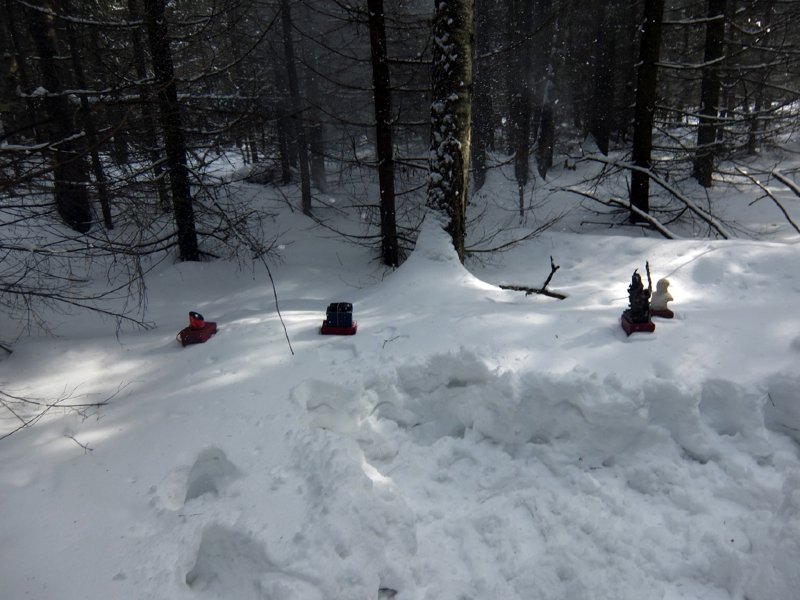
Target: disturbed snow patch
474	471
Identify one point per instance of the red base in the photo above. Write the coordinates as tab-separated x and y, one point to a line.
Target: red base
190	335
630	328
664	314
328	330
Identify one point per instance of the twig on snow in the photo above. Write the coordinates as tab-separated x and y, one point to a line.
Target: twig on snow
542	290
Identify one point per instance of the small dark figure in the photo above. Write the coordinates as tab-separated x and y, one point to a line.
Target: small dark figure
639	301
637	316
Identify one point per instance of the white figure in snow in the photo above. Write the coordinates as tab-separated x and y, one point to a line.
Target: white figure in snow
661	296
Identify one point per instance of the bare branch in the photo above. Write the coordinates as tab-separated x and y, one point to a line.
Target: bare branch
771	196
542	290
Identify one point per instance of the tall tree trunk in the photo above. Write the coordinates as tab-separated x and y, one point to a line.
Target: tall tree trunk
709	94
602	101
69	169
148	114
174	143
89	126
627	27
482	113
316	130
294	92
646	94
17	73
545	110
451	115
383	130
482	130
283	129
521	94
546	139
754	117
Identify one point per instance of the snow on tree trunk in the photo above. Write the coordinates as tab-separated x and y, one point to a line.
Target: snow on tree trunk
451	112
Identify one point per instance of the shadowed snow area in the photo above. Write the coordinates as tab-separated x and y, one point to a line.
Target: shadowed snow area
469	442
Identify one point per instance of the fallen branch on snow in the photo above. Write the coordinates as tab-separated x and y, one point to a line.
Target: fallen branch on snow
542	290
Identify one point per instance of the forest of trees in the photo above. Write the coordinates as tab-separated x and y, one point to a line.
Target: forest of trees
112	113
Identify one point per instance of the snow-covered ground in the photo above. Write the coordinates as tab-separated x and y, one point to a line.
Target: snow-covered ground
468	443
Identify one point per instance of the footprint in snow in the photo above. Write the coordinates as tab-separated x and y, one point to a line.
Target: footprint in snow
209	474
233	564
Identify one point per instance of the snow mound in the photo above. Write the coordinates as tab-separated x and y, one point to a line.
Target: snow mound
479	468
594	419
433	268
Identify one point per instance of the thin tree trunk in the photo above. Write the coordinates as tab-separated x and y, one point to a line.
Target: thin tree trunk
316	131
150	132
602	102
754	118
647	83
69	168
174	143
294	92
521	94
707	146
482	112
482	131
383	131
284	151
546	139
545	110
88	124
451	118
20	71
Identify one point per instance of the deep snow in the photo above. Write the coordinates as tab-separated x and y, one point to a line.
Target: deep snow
468	442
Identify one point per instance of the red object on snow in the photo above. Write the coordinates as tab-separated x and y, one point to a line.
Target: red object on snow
630	327
330	330
198	331
196	320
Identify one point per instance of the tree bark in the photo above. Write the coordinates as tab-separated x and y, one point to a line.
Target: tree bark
707	146
69	168
316	129
544	74
383	130
172	126
294	92
602	102
90	129
646	94
482	112
148	114
16	76
451	115
546	139
522	83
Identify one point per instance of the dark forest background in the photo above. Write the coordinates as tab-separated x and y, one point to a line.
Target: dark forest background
113	113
